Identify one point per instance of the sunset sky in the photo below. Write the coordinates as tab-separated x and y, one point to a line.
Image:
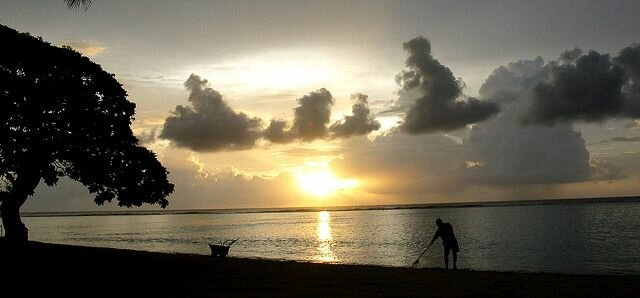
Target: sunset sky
320	103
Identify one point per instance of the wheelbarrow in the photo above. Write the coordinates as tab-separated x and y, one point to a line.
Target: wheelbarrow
221	249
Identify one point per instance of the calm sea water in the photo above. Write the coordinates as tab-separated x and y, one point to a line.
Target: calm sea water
567	238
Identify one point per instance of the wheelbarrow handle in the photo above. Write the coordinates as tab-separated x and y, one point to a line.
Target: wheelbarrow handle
229	242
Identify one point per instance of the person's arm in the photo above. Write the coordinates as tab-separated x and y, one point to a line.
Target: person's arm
435	236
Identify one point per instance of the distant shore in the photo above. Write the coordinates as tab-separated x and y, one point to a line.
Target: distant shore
74	270
158	211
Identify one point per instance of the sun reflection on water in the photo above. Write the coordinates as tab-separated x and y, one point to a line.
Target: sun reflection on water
324	238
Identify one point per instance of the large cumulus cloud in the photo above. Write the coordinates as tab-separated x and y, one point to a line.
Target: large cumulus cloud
501	151
505	152
440	107
588	88
209	124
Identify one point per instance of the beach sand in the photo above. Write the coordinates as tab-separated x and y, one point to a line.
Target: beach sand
54	270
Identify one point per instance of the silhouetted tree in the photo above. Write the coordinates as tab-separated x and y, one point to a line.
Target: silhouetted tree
63	115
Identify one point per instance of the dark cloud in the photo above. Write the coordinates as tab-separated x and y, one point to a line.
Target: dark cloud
440	107
571	55
209	124
361	122
312	115
589	88
629	59
278	132
310	120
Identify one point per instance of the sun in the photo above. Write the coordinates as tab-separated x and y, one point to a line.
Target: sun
320	182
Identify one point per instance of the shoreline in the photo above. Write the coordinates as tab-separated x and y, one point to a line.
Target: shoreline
155	274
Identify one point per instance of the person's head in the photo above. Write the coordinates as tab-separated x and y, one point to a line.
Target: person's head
438	222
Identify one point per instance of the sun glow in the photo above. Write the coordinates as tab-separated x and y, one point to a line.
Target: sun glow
276	70
321	182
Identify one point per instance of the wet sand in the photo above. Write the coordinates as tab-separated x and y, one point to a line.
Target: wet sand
53	270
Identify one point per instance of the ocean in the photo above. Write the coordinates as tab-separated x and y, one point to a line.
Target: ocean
564	236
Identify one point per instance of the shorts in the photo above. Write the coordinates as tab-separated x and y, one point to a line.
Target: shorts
453	245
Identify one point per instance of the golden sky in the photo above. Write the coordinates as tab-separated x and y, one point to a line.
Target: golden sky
269	61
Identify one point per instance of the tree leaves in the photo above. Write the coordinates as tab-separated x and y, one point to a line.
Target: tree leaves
65	116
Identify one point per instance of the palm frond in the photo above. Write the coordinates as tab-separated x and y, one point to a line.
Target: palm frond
74	4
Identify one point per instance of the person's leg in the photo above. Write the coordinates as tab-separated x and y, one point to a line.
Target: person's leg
446	257
455	259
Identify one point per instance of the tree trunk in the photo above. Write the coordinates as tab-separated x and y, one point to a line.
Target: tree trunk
15	231
27	180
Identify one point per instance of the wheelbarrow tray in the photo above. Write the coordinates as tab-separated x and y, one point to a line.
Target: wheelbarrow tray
222	249
219	250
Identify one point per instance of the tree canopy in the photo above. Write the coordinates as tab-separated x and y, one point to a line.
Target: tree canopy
62	115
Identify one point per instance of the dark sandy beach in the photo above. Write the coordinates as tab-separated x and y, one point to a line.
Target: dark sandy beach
53	269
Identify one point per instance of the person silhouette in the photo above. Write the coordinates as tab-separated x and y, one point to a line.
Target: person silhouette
449	241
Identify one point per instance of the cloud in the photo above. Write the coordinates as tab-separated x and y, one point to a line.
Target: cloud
588	88
509	153
512	154
87	47
506	82
635	124
439	107
198	187
604	170
209	124
278	132
629	60
571	55
361	122
147	136
625	139
497	152
402	104
305	152
312	116
397	163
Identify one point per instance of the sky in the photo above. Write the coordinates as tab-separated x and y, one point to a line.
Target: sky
253	104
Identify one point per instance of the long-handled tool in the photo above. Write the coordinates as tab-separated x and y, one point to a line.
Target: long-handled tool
418	259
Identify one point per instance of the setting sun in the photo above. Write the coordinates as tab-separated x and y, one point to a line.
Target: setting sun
321	182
